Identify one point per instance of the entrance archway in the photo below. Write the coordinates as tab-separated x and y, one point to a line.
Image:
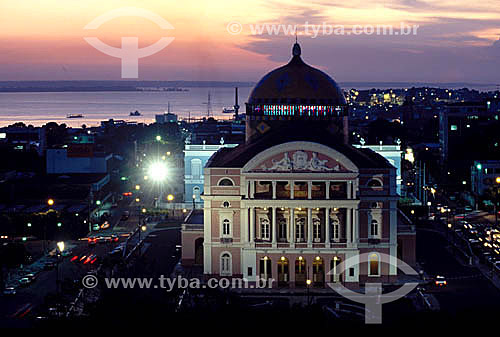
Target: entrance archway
300	272
318	271
335	275
283	272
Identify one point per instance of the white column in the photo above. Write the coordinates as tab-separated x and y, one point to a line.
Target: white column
327	190
252	224
327	227
341	230
349	189
244	230
348	226
274	189
274	232
290	182
355	226
309	190
309	227
252	189
292	225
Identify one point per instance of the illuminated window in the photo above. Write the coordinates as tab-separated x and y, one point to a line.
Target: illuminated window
453	128
374	265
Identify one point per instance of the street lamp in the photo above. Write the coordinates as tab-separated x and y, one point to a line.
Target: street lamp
60	248
308	283
170	197
157	171
50	202
158	138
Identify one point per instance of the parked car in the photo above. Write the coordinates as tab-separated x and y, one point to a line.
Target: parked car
10	291
25	281
31	276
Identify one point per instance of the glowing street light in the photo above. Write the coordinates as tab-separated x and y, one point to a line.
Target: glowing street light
170	197
137	187
158	138
158	171
60	246
50	202
497	180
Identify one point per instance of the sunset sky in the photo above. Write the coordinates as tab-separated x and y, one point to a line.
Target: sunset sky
457	40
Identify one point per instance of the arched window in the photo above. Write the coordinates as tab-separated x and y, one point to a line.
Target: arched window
299	229
374	183
226	264
196	169
226	182
374	229
335	226
264	229
373	268
316	229
265	268
226	227
282	225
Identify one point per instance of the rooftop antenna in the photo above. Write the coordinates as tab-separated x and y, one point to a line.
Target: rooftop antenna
236	106
209	105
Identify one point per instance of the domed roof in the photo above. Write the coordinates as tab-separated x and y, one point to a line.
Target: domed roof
297	83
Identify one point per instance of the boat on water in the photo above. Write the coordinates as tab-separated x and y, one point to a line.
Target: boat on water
228	110
135	113
74	116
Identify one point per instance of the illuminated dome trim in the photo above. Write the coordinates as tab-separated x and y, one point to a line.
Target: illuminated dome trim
296	89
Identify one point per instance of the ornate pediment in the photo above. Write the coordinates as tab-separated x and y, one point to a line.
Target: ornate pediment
307	161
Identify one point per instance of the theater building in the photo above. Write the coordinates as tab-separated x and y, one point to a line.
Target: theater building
295	200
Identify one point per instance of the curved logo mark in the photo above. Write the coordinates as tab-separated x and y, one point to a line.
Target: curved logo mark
373	297
129	53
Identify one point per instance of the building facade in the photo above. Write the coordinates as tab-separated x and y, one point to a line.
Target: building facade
484	175
393	155
295	201
195	158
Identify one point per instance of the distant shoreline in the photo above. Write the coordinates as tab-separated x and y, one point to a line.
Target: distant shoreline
151	86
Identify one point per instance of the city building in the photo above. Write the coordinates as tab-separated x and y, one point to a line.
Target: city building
166	118
393	155
295	199
24	138
77	158
195	158
484	174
